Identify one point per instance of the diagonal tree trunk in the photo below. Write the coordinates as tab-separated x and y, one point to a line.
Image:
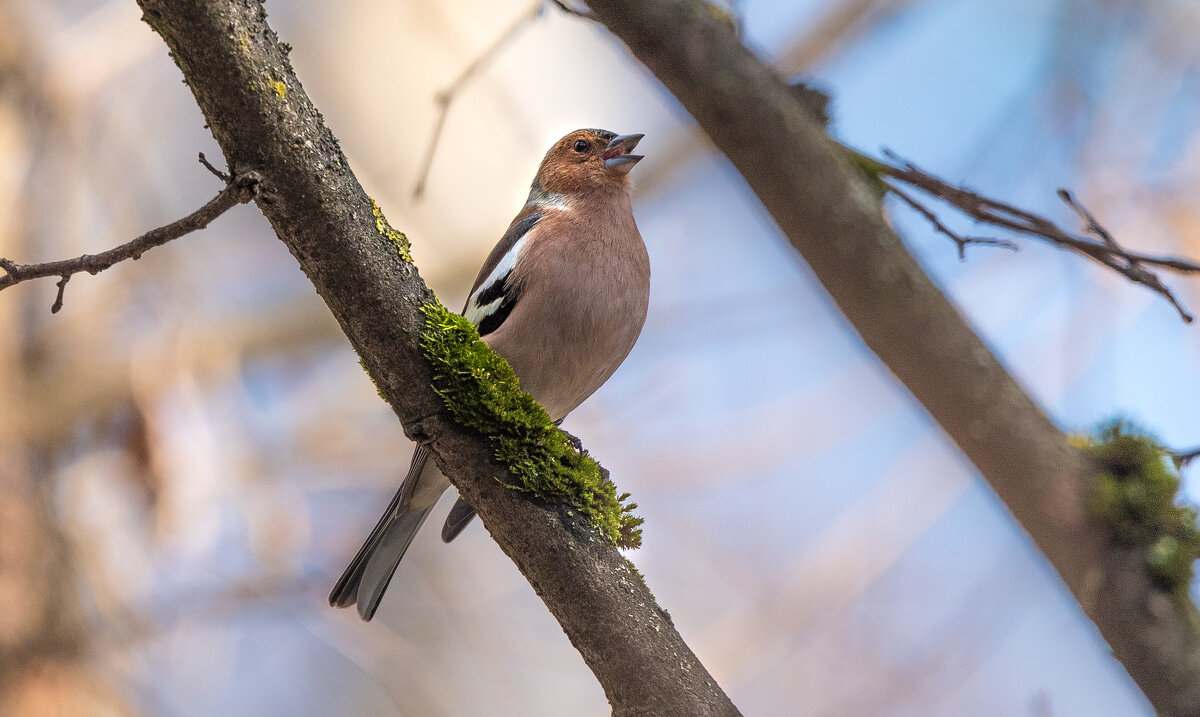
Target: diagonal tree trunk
835	222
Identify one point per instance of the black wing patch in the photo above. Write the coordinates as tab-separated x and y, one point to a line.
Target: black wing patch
492	321
501	289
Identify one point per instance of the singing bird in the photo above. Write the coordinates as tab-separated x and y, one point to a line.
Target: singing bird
562	297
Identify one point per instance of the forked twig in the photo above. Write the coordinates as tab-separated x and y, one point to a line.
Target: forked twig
1104	249
239	189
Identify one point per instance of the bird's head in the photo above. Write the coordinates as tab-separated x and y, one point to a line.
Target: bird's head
588	160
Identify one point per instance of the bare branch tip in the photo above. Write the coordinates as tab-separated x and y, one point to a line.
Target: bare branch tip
1104	249
1183	458
219	174
58	299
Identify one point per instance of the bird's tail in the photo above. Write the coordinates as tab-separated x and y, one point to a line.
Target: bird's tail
460	515
368	575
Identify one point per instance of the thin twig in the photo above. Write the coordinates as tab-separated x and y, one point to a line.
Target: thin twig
447	96
1106	251
1133	266
58	298
1089	222
241	189
1183	458
932	218
208	165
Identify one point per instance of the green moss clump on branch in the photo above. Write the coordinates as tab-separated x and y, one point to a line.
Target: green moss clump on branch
1136	495
482	393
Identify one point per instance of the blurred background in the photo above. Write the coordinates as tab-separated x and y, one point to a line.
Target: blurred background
190	453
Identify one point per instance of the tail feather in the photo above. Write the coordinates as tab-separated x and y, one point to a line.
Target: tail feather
460	515
366	578
368	575
380	566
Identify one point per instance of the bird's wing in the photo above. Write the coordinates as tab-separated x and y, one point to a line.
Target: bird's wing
491	301
493	297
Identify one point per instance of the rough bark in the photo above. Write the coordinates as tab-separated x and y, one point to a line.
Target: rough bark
262	119
835	223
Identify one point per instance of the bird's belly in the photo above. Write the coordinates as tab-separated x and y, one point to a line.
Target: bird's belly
566	348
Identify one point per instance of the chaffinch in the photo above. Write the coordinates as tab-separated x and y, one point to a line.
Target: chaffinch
562	297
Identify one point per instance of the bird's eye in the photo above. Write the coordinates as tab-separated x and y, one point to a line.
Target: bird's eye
582	145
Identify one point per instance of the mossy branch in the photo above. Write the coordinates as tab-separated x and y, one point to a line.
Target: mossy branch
483	394
360	267
1137	495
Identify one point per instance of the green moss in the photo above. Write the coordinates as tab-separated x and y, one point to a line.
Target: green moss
386	231
378	390
870	169
641	578
482	393
1136	496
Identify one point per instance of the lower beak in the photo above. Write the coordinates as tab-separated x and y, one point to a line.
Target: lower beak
617	154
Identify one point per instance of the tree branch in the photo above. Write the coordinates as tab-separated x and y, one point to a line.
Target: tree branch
446	97
835	221
1183	459
1106	251
238	190
961	241
264	122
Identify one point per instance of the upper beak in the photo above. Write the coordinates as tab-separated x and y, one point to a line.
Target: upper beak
617	154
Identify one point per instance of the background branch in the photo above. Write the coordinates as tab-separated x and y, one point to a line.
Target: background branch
447	96
1106	251
240	189
1183	458
961	241
836	223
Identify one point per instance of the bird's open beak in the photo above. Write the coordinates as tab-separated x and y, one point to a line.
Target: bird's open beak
617	154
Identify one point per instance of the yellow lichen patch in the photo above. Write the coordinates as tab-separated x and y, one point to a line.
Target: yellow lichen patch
722	13
280	88
386	231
